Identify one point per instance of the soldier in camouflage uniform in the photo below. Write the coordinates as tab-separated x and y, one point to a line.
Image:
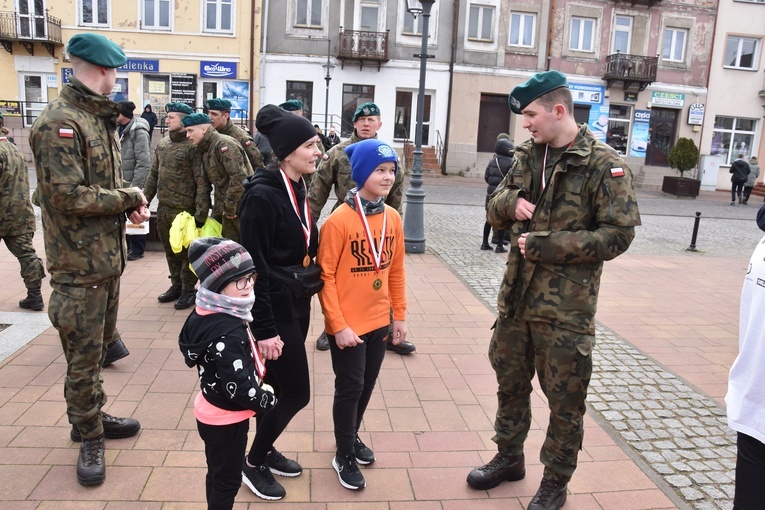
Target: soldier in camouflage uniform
219	111
177	179
570	205
335	171
226	166
17	219
77	159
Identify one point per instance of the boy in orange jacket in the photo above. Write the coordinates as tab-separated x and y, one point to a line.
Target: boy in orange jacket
361	253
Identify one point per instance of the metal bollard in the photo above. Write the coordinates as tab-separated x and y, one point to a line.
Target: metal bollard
692	247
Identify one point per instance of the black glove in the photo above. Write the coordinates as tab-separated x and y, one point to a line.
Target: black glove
198	223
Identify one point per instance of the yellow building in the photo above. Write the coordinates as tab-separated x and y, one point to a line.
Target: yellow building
177	51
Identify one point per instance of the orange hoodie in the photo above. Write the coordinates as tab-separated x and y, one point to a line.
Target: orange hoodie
348	298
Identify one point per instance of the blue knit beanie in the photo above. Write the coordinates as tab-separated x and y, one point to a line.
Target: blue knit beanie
367	155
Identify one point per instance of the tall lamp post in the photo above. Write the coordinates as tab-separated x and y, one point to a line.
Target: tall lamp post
328	68
414	227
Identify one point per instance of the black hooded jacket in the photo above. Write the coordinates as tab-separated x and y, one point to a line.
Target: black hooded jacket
219	346
499	165
272	233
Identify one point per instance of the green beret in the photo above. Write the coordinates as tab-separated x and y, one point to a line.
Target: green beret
178	108
195	119
292	105
366	110
536	87
97	49
218	104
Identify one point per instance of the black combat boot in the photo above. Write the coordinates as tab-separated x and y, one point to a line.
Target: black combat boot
171	294
501	468
116	351
91	469
322	343
550	496
114	428
187	300
33	301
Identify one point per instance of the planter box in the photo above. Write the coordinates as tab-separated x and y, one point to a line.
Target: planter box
681	187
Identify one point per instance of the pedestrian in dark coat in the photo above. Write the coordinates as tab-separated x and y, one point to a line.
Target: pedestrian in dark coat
740	172
149	116
496	170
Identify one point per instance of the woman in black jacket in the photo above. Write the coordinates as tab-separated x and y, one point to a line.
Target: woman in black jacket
276	228
496	170
149	116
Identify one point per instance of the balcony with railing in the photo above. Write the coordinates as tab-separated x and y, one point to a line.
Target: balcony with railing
635	71
633	3
363	46
29	29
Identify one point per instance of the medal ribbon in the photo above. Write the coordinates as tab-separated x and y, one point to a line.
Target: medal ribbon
293	200
260	367
376	255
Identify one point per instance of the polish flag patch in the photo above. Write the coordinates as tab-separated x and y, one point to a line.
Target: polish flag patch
617	172
248	143
224	149
66	133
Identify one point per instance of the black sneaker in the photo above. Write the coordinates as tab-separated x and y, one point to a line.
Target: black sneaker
405	347
91	469
348	472
364	454
281	465
114	428
322	343
550	496
501	468
260	481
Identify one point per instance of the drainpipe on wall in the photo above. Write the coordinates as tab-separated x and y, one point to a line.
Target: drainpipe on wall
550	35
452	59
706	100
252	65
263	48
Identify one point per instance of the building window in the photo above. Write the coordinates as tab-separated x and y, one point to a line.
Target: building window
353	96
481	23
673	49
582	34
308	13
741	52
369	11
522	29
733	136
302	90
218	15
412	27
156	13
617	135
622	35
94	12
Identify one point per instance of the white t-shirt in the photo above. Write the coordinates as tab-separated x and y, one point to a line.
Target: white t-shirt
746	383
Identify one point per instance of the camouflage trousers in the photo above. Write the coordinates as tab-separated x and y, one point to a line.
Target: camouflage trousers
563	363
85	318
31	266
181	274
230	228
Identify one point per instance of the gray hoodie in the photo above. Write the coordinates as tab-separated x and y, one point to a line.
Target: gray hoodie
136	152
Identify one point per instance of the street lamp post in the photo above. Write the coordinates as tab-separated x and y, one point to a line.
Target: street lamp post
414	227
328	68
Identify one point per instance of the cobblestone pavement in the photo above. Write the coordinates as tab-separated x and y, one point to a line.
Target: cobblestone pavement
681	435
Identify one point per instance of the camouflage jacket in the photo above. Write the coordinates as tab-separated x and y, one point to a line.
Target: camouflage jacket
246	141
16	214
336	170
77	158
586	215
176	177
226	166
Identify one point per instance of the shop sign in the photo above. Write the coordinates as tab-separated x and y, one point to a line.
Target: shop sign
587	94
631	97
238	92
696	114
640	123
140	66
10	108
66	73
214	69
669	99
183	89
595	97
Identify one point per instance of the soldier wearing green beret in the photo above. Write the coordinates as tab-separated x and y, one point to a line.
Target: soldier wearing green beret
335	171
219	111
569	203
293	105
84	206
180	184
17	219
225	164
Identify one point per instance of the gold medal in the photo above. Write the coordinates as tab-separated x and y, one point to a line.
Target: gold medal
377	285
306	260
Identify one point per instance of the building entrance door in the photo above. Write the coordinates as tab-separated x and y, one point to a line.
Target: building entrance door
493	119
661	136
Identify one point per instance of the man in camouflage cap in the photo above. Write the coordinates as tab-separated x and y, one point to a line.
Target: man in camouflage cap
335	171
77	158
17	219
219	111
569	202
226	166
180	184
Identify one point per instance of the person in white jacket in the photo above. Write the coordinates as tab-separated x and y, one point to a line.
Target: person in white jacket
746	385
